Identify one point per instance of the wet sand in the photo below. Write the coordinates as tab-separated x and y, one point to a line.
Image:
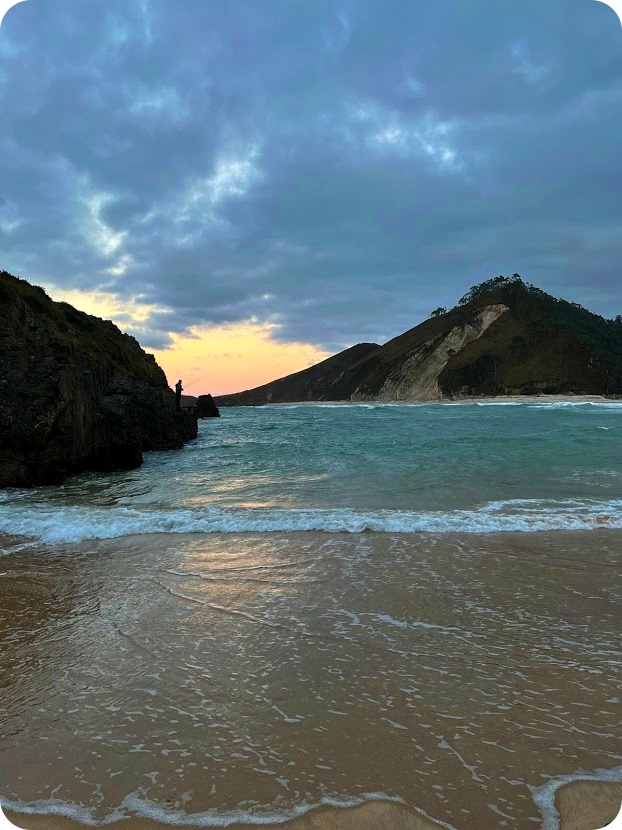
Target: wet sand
250	674
588	805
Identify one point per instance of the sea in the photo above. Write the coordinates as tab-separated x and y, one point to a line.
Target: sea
321	605
459	468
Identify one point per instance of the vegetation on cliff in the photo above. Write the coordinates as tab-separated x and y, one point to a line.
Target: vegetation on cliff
544	344
75	392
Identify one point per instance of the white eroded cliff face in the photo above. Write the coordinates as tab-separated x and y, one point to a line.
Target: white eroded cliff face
416	378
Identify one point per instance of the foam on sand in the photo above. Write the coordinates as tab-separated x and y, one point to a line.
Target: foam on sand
335	813
575	802
360	626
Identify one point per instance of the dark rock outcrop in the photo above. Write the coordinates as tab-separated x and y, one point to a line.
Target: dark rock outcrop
188	401
75	393
505	337
206	407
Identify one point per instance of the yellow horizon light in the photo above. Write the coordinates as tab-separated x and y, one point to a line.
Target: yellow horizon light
220	359
232	358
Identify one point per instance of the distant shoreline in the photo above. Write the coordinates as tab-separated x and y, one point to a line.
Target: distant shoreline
501	399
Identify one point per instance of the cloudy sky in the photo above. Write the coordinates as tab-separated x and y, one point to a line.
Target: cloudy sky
249	185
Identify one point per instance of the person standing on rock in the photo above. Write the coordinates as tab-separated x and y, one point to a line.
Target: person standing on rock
178	390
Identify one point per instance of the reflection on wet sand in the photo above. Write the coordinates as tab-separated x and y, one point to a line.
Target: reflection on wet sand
202	678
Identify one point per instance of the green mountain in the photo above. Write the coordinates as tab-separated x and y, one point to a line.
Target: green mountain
505	337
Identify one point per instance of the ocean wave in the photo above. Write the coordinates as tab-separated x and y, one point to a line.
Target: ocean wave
500	403
567	404
528	403
78	523
543	404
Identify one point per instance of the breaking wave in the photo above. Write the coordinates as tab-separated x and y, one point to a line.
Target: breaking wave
78	523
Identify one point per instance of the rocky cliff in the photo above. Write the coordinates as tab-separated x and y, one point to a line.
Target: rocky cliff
75	393
505	337
416	375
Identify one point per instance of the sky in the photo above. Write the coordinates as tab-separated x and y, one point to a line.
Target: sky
248	186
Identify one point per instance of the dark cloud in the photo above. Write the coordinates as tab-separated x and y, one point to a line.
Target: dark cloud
337	168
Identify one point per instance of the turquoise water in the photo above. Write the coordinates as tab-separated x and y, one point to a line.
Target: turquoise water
399	468
218	678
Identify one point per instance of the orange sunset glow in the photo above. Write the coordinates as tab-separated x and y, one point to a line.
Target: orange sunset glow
233	358
215	359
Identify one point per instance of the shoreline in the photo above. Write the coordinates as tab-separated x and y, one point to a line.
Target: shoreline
576	805
103	592
517	400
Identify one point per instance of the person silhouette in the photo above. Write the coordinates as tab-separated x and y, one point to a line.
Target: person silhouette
178	390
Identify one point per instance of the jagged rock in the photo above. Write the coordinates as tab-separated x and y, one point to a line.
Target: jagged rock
207	407
75	393
188	401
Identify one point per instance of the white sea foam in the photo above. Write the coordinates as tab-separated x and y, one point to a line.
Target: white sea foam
133	805
528	403
76	523
541	404
544	796
499	403
567	404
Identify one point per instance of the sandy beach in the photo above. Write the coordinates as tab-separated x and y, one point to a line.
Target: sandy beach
475	688
310	415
